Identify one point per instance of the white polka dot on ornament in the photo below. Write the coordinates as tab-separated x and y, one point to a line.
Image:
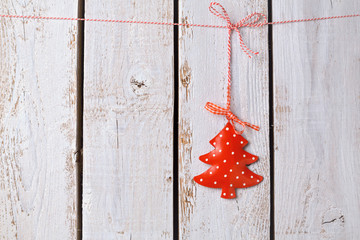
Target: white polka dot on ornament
244	155
215	182
217	167
253	158
210	172
220	135
242	172
237	177
258	180
234	135
224	194
252	176
231	185
230	170
206	160
225	175
224	161
227	143
231	194
213	155
244	184
237	163
220	150
241	142
201	180
232	153
227	129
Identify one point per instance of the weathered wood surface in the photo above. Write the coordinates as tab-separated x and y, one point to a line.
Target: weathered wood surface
203	62
37	121
128	122
317	121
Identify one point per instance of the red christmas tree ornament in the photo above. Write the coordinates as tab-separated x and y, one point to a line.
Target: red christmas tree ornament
229	164
229	161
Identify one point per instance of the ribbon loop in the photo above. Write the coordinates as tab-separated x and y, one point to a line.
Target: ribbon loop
215	109
222	14
252	20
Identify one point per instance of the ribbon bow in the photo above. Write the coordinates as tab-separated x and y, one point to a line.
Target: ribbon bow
215	109
251	20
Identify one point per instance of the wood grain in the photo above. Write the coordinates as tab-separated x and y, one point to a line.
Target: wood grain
203	62
128	122
37	121
317	130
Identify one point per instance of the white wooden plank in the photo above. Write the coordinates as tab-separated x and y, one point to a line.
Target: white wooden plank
37	121
203	62
317	130
128	126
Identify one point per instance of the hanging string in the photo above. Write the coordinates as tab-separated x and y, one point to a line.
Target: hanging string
252	20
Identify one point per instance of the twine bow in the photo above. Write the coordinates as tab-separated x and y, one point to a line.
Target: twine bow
251	20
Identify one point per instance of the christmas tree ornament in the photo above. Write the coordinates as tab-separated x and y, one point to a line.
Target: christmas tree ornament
229	161
228	164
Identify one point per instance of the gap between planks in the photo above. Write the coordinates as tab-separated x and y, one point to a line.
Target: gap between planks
176	124
271	123
79	116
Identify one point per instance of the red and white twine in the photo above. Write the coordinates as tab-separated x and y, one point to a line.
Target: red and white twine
252	20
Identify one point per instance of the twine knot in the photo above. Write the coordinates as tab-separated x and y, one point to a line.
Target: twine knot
231	26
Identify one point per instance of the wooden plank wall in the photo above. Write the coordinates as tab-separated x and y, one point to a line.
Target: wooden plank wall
129	99
202	69
128	122
317	129
37	121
